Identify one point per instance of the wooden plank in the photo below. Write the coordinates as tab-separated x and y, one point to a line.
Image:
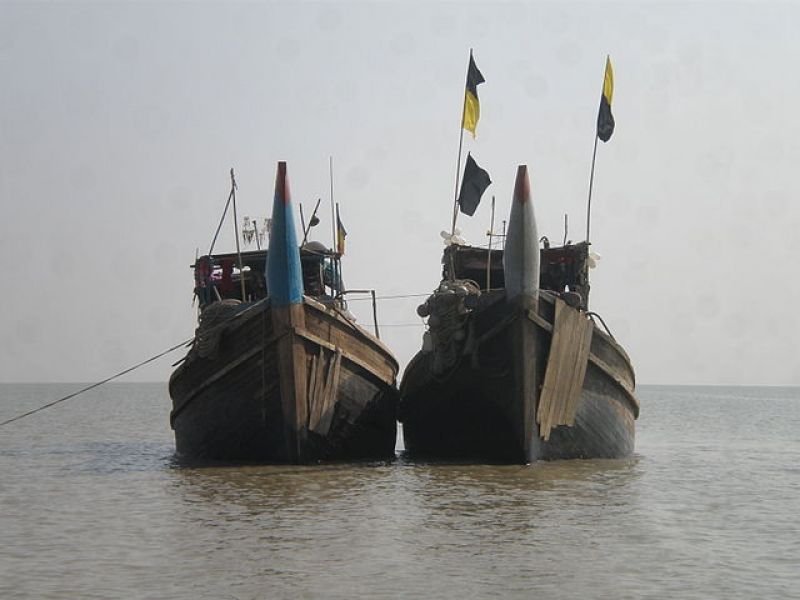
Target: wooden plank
566	369
328	402
217	375
382	371
616	378
292	374
321	392
583	342
539	320
316	366
597	361
323	313
332	327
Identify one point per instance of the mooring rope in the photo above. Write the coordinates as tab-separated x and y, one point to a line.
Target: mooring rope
184	343
99	383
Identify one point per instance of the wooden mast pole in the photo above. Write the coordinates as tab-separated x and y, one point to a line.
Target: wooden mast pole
310	221
302	222
460	145
591	182
375	314
222	218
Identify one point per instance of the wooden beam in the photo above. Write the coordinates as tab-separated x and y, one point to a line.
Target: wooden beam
566	369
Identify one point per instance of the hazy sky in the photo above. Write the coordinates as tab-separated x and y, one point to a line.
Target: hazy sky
119	123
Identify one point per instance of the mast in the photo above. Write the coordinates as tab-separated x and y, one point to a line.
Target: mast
460	144
489	254
236	233
333	208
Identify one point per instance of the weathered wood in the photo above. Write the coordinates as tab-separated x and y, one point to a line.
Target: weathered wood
608	369
566	368
382	371
328	400
217	375
235	406
479	408
315	369
614	375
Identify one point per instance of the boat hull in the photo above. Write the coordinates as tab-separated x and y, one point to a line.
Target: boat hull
485	407
258	387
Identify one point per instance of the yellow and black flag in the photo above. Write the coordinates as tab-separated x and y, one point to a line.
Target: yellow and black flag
605	120
341	233
472	108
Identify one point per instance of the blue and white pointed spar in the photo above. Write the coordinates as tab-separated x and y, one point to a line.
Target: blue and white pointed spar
521	253
284	273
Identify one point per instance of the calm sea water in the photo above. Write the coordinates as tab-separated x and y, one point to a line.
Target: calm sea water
93	505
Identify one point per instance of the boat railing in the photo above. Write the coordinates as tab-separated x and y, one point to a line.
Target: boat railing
374	306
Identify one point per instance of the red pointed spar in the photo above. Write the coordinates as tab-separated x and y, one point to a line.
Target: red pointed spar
521	255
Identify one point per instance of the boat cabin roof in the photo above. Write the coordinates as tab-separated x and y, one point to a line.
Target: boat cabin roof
561	268
218	276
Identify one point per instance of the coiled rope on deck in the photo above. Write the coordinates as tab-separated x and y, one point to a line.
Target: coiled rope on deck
99	383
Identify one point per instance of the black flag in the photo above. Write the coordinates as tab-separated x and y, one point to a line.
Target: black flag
475	182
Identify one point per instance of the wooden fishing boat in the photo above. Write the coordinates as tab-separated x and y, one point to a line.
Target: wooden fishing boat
512	367
279	371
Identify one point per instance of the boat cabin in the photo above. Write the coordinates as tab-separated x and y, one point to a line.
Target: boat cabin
219	276
562	268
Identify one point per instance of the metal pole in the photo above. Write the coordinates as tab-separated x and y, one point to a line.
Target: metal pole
460	146
489	258
333	210
591	183
236	232
258	237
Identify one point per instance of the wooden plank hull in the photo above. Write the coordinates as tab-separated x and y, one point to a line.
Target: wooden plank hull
266	389
484	406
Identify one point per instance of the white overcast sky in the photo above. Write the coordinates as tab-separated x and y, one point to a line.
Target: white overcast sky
119	123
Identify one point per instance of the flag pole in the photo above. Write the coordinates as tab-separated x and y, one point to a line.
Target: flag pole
333	210
608	130
591	183
460	145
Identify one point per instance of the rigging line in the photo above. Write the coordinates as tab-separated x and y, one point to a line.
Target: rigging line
401	296
224	212
395	297
94	385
